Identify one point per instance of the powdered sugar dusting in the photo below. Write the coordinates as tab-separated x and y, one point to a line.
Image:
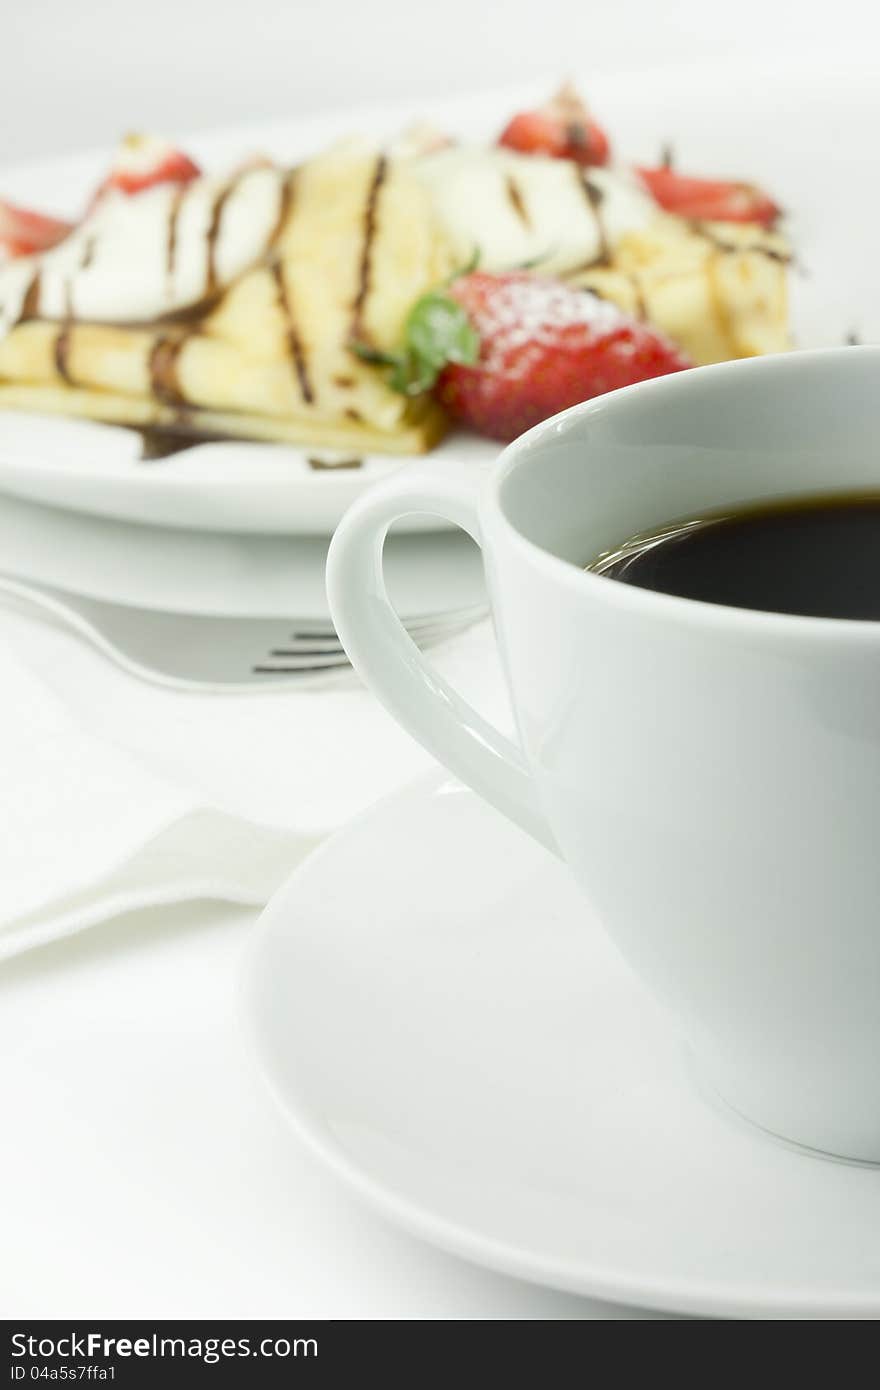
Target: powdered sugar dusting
524	311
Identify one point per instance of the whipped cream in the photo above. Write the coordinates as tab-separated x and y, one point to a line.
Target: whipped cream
516	209
135	258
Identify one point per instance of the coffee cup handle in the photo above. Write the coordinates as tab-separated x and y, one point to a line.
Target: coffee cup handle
384	654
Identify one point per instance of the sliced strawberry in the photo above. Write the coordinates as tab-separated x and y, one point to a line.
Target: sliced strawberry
142	161
563	129
26	233
709	200
543	347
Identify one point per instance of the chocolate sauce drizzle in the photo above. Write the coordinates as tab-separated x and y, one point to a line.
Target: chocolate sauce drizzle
171	241
366	267
180	434
159	444
517	202
294	342
61	353
285	203
62	344
189	314
594	196
30	305
330	465
730	248
212	235
163	371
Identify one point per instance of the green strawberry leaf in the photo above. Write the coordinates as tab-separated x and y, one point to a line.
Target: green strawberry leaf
437	331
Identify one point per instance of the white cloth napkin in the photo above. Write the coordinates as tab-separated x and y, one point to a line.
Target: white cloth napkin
86	832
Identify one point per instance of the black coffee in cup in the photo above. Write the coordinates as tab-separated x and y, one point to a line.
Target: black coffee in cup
817	556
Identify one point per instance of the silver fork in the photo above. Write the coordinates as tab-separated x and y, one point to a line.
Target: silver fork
204	652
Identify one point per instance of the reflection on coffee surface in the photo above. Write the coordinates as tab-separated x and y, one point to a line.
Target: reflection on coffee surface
817	556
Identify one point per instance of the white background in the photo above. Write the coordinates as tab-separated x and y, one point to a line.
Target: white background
82	71
143	1170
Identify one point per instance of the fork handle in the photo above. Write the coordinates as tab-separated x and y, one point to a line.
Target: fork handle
389	661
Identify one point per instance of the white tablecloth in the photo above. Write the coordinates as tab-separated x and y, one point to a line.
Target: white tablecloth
144	1170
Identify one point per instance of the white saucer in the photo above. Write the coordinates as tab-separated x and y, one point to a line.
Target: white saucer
181	571
449	1029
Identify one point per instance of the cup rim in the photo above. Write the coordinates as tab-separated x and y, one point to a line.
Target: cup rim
688	612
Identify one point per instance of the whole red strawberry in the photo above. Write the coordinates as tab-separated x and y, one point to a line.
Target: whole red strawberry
544	347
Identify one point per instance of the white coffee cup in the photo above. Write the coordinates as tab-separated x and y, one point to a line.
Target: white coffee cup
710	774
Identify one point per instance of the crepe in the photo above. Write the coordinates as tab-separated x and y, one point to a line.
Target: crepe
342	250
718	290
235	307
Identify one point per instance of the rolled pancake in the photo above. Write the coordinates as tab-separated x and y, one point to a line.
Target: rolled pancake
270	354
252	293
718	290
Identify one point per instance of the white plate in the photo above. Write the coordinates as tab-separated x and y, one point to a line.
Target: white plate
231	487
456	1037
820	162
